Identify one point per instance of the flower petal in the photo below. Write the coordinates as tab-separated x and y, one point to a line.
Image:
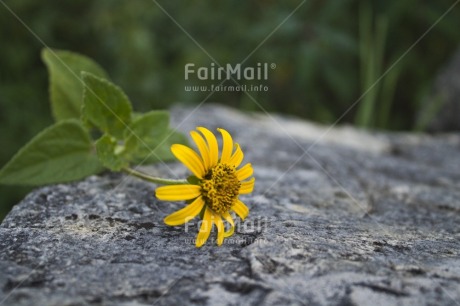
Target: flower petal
220	229
212	145
241	209
189	158
244	172
185	214
237	157
202	147
229	219
227	146
205	229
177	192
248	186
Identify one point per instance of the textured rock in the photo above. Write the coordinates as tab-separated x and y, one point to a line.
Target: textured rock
353	219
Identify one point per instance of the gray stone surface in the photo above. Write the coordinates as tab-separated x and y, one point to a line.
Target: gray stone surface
354	219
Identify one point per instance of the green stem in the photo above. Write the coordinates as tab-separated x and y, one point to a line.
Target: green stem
153	179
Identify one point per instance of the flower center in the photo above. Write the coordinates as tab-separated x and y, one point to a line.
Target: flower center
220	188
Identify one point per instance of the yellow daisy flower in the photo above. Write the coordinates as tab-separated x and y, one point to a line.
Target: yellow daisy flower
214	187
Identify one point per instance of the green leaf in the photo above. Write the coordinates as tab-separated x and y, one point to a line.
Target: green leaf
60	153
161	150
193	180
105	106
110	153
145	131
148	139
66	86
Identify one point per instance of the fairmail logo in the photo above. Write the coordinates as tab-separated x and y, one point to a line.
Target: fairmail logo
228	72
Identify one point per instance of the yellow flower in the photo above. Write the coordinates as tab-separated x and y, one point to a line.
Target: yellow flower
215	185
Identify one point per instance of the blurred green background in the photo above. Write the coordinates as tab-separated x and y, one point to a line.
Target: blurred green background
327	54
